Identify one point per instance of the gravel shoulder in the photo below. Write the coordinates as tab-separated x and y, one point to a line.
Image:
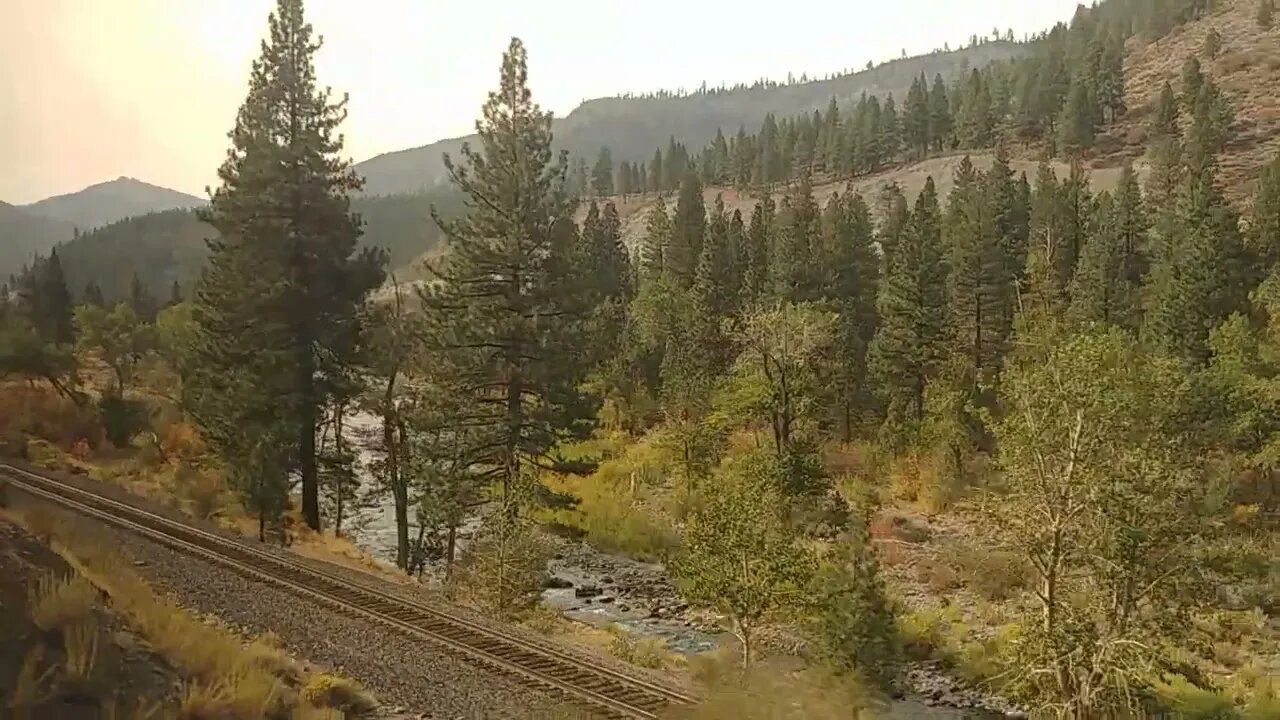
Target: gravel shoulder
411	678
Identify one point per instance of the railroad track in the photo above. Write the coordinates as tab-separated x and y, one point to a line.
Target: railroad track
615	694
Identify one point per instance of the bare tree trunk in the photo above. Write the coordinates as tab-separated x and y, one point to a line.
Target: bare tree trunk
743	631
449	551
340	490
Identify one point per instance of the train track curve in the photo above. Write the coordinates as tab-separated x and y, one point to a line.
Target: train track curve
610	692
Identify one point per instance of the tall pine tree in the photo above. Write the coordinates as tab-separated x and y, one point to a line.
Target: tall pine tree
510	303
286	260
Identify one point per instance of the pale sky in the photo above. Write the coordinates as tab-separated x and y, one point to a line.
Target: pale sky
94	89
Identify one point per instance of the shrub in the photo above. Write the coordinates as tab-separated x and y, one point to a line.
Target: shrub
13	444
254	693
339	693
770	693
203	490
649	652
121	418
993	574
40	412
57	604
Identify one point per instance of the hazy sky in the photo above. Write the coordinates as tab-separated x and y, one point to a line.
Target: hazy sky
94	89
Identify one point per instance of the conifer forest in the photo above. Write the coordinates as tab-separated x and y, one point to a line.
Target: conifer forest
978	379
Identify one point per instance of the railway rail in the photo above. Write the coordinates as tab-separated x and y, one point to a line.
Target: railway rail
610	692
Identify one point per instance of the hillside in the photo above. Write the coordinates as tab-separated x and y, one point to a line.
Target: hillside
634	211
634	127
22	235
1247	69
108	202
167	246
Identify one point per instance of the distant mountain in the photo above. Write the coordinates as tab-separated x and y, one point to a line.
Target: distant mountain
23	235
167	246
634	127
108	202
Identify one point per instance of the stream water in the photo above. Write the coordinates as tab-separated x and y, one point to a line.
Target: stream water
603	589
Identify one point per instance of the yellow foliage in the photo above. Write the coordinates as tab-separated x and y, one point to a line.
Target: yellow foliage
620	506
332	691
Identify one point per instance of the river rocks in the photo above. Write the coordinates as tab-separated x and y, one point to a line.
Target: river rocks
586	591
554	582
937	689
604	599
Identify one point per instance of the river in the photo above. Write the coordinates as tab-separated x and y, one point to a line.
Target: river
603	589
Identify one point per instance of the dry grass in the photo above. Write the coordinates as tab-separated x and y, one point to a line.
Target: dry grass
56	604
1247	70
339	693
649	652
227	679
774	691
80	645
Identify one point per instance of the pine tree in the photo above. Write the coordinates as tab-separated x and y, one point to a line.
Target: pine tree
757	253
510	302
284	219
656	172
141	300
796	264
940	120
979	286
744	160
1212	45
675	165
175	294
915	122
855	285
656	240
895	217
42	293
1199	273
578	182
605	263
771	168
1165	121
1100	290
623	182
1264	228
975	123
721	162
908	346
1076	129
602	173
890	131
641	183
1047	236
1077	217
93	294
687	228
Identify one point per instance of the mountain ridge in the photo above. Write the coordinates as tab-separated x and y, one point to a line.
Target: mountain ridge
633	127
110	201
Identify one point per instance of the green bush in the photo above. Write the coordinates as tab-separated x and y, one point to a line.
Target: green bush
121	418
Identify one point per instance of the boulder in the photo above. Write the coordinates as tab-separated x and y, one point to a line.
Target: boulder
586	591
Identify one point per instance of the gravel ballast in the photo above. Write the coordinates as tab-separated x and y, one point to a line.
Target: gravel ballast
410	677
400	671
